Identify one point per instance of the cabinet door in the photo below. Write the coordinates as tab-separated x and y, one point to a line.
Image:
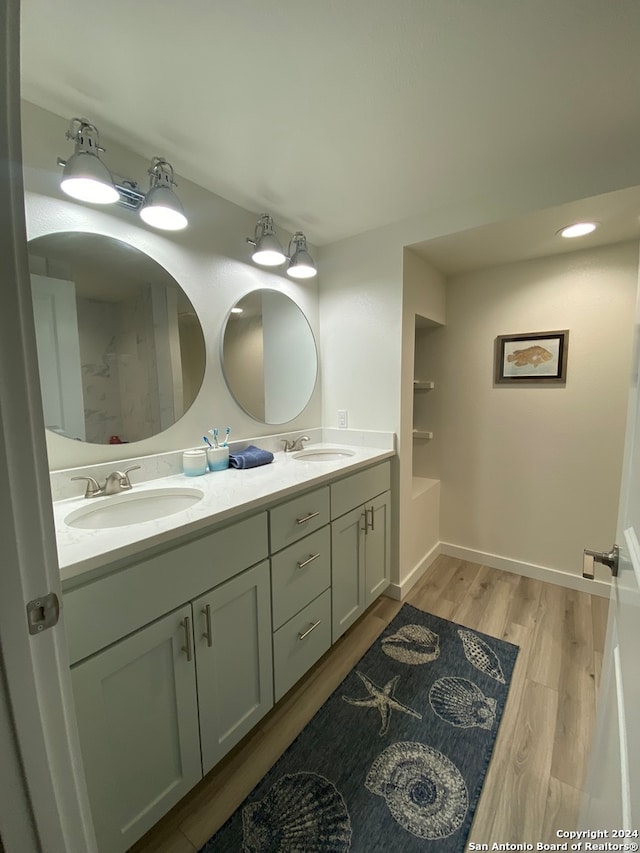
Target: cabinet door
377	547
138	721
233	660
347	570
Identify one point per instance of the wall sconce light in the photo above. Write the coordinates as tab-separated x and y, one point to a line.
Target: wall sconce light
86	178
269	253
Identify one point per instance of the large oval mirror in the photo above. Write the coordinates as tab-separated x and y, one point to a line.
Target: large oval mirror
120	349
269	356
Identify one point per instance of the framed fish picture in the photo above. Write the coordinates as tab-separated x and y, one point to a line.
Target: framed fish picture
531	357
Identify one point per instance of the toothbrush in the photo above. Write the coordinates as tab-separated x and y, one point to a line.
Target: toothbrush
215	438
225	443
204	438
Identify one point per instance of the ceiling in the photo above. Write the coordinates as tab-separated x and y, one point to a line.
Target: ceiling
339	116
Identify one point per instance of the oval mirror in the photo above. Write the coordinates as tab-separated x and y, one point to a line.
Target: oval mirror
120	349
269	356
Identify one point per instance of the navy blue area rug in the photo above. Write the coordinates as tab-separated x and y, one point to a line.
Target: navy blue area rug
395	758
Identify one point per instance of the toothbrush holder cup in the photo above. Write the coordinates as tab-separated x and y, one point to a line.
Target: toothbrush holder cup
218	458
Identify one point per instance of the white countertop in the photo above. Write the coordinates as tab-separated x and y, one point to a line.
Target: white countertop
228	495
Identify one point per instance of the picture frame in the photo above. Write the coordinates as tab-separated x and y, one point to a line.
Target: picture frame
531	357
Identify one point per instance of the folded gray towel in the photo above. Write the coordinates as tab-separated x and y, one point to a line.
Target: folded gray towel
250	457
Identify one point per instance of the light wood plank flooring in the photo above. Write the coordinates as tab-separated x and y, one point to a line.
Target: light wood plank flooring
533	783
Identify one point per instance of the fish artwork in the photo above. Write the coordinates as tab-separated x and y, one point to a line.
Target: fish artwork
423	789
301	811
533	355
462	703
413	644
481	655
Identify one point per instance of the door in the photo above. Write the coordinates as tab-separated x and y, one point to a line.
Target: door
377	547
612	795
347	570
137	713
56	320
233	660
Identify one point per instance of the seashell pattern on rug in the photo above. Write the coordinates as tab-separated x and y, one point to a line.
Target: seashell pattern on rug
481	655
462	703
413	644
301	811
424	791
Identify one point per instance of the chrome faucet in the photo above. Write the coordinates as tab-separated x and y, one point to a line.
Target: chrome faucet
116	482
295	443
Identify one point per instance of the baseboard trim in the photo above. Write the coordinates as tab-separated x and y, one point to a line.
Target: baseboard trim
398	591
529	570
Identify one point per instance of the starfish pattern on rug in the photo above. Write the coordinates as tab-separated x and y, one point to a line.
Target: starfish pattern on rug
383	699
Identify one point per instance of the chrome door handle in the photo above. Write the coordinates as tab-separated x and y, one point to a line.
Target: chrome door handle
309	630
307	517
207	630
309	559
373	523
188	647
607	558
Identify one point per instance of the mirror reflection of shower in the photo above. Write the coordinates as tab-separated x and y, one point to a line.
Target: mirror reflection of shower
120	349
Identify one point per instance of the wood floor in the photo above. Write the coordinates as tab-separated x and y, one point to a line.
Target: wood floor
533	783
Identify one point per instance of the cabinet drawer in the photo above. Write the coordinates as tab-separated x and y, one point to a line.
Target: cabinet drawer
118	604
293	652
296	518
299	574
359	488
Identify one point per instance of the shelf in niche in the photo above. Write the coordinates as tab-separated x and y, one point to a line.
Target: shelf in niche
420	485
422	435
423	385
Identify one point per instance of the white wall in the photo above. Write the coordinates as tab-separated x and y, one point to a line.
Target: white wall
532	473
210	259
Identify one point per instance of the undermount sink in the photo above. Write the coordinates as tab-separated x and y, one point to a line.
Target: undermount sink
323	454
132	508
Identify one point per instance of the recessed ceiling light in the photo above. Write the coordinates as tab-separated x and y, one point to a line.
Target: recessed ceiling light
578	229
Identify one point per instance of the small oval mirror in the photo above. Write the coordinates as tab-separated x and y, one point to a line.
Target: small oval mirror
269	356
120	349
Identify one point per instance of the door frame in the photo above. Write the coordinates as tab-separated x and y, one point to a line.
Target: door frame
44	806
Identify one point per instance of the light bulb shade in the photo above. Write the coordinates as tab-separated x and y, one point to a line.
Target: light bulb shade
301	264
162	209
268	251
86	178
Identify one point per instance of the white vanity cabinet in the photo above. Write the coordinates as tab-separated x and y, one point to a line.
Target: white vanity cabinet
156	709
137	715
360	544
232	627
300	586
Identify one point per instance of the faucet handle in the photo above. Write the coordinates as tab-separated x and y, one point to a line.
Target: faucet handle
125	482
93	487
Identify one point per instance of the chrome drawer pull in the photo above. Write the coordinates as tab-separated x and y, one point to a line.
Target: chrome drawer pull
307	517
373	524
309	630
188	648
207	631
309	559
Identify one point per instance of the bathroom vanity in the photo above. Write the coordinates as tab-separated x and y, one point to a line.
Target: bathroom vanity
184	634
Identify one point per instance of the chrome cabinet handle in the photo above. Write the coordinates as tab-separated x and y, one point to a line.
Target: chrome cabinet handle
309	559
188	647
309	630
307	517
373	523
207	630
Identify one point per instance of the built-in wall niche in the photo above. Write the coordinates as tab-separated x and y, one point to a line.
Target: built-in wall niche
425	465
121	352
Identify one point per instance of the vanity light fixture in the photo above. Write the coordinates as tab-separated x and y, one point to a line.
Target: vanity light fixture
269	253
578	229
86	178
